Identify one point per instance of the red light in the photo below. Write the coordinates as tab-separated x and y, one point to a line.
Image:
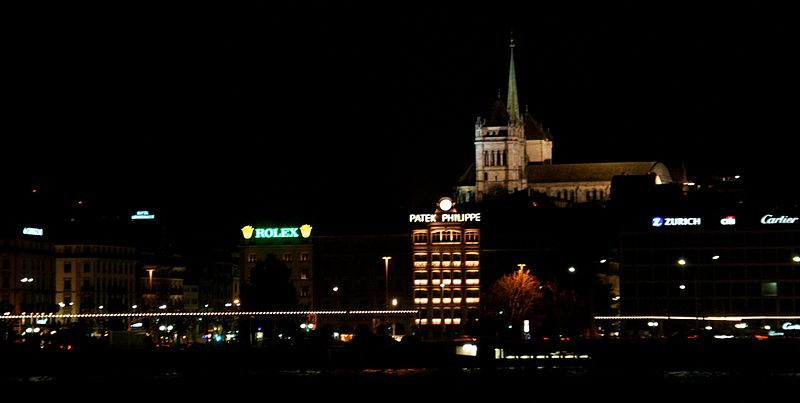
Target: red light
33	190
80	202
761	337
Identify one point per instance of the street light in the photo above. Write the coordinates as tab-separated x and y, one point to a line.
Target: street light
386	285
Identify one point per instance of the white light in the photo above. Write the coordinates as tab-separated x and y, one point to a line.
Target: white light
571	269
796	259
335	289
162	306
303	326
681	262
715	257
652	324
394	301
228	304
603	260
169	328
737	176
682	286
135	306
740	325
36	330
708	328
61	304
767	327
162	328
526	326
100	307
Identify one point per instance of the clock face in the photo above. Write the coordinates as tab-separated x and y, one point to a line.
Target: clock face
445	204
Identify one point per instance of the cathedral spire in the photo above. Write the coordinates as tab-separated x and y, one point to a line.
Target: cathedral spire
512	105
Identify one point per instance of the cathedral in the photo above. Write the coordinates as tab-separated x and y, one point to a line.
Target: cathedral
514	153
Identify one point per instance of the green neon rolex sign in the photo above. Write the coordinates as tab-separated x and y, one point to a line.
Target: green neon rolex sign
249	232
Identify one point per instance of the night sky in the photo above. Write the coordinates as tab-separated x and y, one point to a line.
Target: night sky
267	110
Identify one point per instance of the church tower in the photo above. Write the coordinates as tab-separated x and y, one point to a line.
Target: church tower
500	145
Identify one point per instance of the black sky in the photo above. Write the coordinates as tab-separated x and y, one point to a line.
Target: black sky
264	108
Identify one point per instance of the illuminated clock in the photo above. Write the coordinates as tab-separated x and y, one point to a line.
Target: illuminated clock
445	204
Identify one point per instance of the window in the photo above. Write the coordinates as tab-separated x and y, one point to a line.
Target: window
304	257
287	257
67	284
304	274
304	291
87	283
251	258
87	267
471	236
472	257
769	289
420	257
67	267
420	237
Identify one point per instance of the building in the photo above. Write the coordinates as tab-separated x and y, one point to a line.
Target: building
92	278
447	269
291	246
514	153
697	261
27	273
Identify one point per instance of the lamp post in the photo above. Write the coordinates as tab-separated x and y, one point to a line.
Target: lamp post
386	280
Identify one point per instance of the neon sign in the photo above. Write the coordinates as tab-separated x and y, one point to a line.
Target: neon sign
445	217
675	221
33	231
249	232
729	220
770	219
143	215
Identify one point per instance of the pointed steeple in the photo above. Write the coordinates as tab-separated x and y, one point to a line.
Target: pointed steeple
512	105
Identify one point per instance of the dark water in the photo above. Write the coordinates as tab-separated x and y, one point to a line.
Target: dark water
649	372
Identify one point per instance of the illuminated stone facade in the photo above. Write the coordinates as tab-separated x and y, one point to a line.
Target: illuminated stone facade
447	275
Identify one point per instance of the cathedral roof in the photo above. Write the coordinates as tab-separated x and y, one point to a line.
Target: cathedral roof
534	130
595	172
468	177
498	115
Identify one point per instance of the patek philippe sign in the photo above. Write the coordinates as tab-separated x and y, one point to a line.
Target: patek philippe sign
445	212
770	219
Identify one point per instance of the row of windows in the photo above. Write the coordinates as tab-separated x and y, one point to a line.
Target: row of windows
717	256
35	264
94	249
104	267
495	158
446	274
732	306
692	239
707	273
446	236
439	292
442	313
446	257
287	257
591	195
705	290
101	284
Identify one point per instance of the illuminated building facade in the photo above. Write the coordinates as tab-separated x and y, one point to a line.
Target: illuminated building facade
94	278
26	275
161	286
291	246
447	269
707	264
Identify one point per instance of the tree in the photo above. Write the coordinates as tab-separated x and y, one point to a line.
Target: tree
516	293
